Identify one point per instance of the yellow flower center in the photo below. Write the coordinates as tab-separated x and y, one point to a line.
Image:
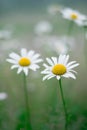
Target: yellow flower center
59	69
24	61
74	16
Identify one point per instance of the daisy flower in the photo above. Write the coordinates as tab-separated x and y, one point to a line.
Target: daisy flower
54	9
24	61
73	15
59	67
43	27
3	95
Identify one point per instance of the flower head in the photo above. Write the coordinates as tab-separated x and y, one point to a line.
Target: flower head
54	9
27	60
3	95
73	15
59	67
59	44
5	34
43	27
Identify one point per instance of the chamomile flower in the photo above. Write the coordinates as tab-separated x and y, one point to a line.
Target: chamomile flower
3	96
54	9
73	15
25	61
59	67
43	27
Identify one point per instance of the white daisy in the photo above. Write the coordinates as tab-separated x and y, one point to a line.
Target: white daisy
59	67
60	46
73	15
54	9
5	34
3	96
27	60
43	27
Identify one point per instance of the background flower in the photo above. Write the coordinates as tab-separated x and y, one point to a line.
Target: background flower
43	27
54	9
73	15
3	95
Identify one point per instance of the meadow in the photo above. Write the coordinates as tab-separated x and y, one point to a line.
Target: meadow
45	104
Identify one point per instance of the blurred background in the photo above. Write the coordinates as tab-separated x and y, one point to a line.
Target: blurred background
38	25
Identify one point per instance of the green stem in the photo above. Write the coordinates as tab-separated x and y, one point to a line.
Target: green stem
28	123
64	105
70	27
85	44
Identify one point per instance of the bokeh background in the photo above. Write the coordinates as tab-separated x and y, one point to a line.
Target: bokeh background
19	21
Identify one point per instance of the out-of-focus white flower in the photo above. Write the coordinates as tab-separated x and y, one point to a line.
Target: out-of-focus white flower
54	43
61	45
43	27
59	67
3	95
61	48
27	60
54	9
73	15
5	34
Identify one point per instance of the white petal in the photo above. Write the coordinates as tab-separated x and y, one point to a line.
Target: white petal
46	77
35	56
70	63
12	61
23	52
66	75
31	53
45	72
14	66
69	75
49	61
37	61
54	60
34	67
14	56
51	77
58	77
79	22
66	12
25	69
61	59
46	66
72	71
82	17
72	75
19	70
72	66
66	60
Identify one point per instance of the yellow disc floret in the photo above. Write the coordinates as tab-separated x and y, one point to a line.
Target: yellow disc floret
59	69
24	61
74	16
